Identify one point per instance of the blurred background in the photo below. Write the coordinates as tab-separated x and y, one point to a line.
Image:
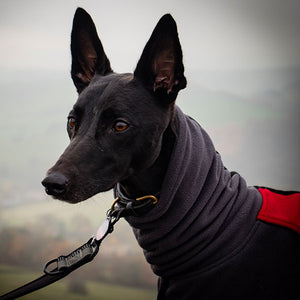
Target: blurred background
242	61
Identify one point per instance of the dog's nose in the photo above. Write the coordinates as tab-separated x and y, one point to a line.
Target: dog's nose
55	184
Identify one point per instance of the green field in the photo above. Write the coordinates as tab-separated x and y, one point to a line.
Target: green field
35	233
11	278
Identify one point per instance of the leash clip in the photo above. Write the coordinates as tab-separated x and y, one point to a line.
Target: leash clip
72	261
82	255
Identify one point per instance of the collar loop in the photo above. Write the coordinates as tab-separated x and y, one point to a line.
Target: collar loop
124	206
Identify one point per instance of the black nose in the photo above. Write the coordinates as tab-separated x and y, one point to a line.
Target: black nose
55	184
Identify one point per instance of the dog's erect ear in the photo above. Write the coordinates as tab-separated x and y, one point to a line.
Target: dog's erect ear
88	56
160	67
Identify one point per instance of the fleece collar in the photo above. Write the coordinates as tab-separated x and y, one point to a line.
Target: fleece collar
200	216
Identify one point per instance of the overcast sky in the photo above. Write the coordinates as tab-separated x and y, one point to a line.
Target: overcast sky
215	34
241	57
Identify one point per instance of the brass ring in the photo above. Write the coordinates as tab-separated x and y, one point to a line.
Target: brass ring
155	200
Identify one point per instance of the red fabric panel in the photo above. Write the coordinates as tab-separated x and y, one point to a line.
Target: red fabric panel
283	210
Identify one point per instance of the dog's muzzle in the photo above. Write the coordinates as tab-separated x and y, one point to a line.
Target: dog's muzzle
55	184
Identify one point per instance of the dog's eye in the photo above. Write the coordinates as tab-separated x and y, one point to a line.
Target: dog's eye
71	123
120	126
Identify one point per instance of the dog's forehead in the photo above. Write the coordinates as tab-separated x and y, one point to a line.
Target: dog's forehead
104	85
113	80
113	88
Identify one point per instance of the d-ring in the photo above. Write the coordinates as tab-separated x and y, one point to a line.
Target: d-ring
155	200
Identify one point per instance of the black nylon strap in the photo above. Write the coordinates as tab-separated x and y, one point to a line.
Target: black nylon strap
65	265
33	286
122	207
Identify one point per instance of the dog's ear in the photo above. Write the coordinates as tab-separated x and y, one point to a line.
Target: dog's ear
88	56
160	67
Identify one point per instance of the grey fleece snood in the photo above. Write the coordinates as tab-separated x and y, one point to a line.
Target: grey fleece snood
204	212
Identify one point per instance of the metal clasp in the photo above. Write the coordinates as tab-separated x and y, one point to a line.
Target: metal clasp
68	263
82	255
112	208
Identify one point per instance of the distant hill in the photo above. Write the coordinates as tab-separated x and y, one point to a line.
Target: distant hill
252	117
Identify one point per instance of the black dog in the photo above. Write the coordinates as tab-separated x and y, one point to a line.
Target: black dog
209	236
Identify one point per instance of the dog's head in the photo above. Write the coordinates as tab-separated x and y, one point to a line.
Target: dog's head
116	125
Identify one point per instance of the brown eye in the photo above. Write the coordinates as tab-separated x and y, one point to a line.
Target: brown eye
120	126
71	123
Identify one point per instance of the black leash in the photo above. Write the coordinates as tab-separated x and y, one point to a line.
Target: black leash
60	267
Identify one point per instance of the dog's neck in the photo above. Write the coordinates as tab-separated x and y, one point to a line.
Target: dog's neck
149	181
201	206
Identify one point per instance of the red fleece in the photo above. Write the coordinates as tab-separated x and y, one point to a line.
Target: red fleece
280	209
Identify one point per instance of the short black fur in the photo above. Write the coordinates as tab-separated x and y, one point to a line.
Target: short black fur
125	128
